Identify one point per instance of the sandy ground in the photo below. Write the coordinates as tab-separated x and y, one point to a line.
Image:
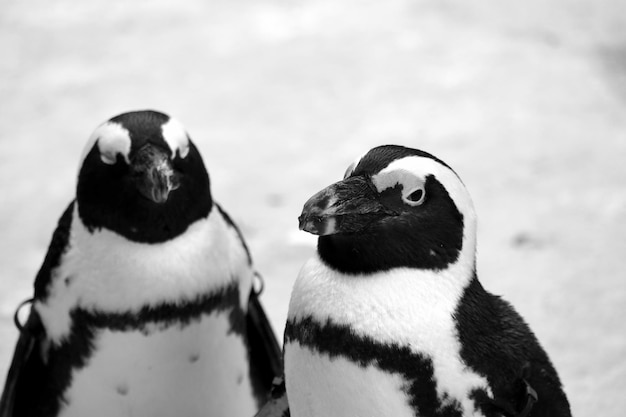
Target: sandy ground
526	100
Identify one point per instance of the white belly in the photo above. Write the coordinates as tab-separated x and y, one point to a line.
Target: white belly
198	370
318	386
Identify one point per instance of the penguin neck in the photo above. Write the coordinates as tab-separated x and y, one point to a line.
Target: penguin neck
393	246
421	246
104	272
385	304
205	259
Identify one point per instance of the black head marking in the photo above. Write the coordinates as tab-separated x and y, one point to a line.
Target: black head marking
112	194
425	237
147	126
143	127
380	157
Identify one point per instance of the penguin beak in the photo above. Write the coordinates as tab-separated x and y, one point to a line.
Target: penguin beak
347	206
153	173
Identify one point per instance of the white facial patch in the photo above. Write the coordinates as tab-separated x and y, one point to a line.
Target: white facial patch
112	140
389	179
176	137
413	169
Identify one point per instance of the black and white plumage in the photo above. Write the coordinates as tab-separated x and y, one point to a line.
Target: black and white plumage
144	303
389	318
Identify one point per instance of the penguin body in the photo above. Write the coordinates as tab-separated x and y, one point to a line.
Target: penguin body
144	304
389	318
384	352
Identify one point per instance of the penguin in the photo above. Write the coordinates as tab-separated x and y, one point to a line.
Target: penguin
388	318
146	301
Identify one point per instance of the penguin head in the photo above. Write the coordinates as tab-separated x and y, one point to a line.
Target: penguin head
395	207
142	177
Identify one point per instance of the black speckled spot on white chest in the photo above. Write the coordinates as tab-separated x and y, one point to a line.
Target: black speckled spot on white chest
162	368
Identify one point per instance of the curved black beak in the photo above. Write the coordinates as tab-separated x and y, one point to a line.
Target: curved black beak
154	176
346	206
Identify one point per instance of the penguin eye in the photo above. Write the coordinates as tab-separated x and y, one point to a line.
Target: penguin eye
416	197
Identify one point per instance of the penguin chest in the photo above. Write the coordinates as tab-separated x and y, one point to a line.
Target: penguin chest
318	385
196	369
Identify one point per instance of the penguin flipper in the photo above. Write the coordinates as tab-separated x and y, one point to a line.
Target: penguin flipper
27	373
58	245
498	342
24	373
278	405
265	353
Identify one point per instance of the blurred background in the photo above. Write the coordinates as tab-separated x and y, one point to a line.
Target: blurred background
526	100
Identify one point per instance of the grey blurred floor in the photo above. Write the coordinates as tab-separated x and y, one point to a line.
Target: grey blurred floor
526	100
